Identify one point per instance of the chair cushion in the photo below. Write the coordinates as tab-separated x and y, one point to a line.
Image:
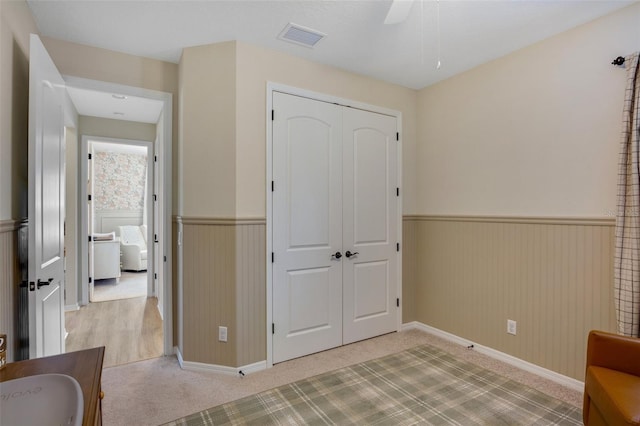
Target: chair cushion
616	394
132	235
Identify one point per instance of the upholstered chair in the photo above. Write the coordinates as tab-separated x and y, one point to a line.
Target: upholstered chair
133	245
612	380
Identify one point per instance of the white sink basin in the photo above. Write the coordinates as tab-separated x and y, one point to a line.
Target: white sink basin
45	399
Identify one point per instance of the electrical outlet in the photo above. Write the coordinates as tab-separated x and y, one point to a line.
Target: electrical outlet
222	334
511	327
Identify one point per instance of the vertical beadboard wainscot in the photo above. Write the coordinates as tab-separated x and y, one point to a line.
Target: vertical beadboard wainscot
223	284
409	269
553	276
9	280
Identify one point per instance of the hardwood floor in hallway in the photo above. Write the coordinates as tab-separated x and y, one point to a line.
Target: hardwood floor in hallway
130	329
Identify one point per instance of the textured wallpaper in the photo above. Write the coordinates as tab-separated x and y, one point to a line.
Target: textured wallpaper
119	181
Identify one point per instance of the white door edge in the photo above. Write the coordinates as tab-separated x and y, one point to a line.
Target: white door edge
296	91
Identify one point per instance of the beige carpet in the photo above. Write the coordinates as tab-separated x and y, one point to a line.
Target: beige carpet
130	285
419	386
157	391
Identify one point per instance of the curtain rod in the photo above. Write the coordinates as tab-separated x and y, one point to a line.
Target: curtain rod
618	61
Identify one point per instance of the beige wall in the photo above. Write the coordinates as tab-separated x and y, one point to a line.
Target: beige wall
208	130
257	66
223	112
16	24
116	129
94	63
223	168
533	133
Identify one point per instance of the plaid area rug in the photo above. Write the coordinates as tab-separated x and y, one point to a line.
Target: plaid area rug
422	385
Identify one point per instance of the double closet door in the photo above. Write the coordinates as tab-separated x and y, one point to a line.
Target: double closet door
335	227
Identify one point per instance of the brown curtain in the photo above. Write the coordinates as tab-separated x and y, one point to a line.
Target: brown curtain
627	255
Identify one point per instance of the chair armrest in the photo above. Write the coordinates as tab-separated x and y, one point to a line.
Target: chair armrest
613	351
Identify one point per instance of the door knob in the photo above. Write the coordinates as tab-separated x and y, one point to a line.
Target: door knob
349	254
336	255
42	283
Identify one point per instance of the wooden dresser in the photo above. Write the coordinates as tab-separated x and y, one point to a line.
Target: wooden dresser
85	366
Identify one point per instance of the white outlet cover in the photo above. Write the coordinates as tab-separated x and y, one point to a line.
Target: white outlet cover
222	334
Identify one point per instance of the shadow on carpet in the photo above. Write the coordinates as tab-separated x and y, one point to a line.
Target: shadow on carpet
422	385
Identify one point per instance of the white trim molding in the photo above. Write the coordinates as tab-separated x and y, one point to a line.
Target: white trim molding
542	220
500	356
220	369
12	225
72	307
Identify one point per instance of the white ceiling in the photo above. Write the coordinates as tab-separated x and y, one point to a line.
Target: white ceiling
115	106
471	32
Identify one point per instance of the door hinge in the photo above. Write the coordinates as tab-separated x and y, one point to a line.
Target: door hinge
397	246
89	156
90	280
89	238
273	186
155	158
155	197
273	257
398	136
273	115
89	196
165	258
398	302
273	328
397	192
155	276
155	238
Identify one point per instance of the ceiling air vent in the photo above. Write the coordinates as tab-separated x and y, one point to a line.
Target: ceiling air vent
300	35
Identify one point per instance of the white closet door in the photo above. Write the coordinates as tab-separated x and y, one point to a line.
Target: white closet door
307	226
369	224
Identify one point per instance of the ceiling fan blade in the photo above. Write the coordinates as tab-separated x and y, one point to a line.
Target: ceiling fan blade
398	12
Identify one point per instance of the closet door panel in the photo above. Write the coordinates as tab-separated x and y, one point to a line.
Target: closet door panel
369	224
307	226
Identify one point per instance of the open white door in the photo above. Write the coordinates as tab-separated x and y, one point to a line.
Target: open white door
46	204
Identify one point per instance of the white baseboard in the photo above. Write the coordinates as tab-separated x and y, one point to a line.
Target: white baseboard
221	369
501	356
69	308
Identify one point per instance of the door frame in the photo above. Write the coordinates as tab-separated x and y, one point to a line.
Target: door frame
163	149
86	148
296	91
